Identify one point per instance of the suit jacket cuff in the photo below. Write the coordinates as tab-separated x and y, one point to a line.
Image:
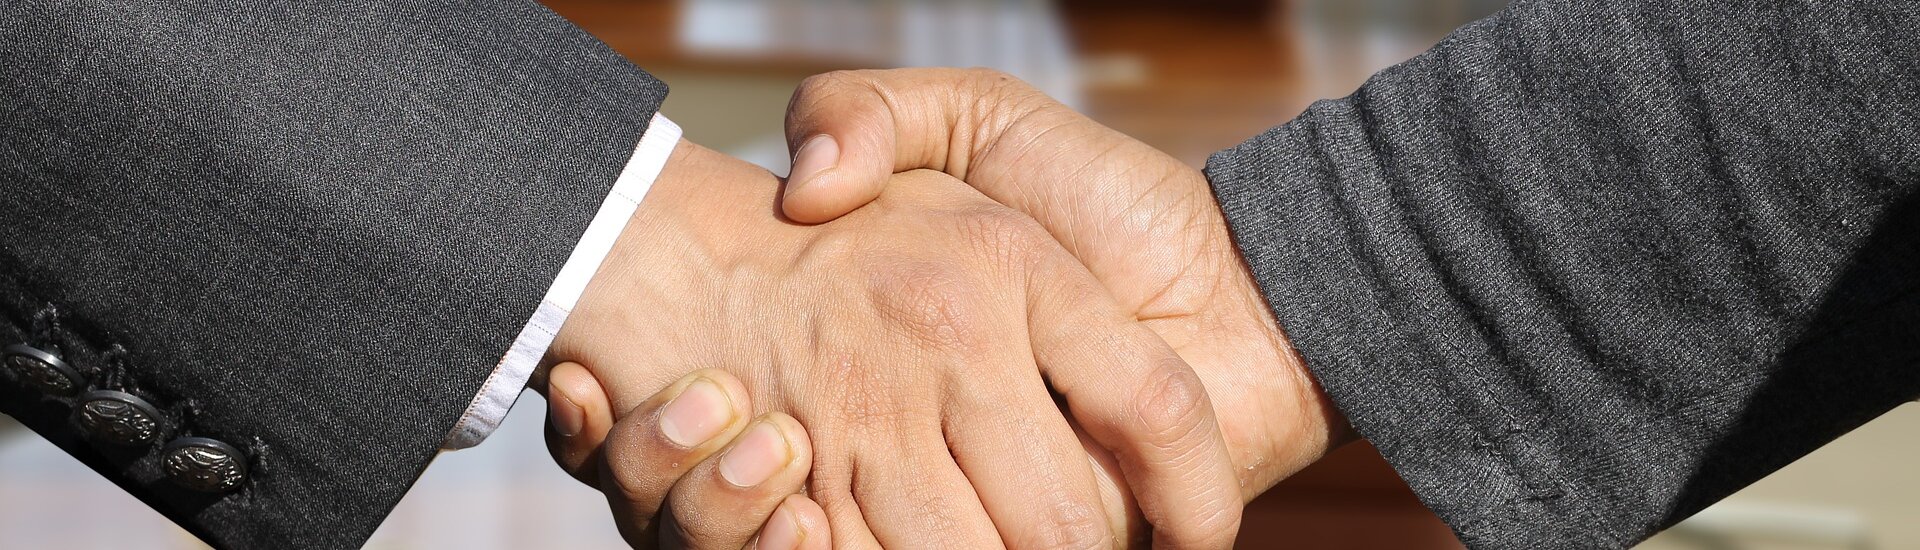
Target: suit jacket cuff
509	378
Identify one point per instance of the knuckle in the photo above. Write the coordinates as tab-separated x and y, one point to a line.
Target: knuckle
630	472
932	303
630	480
990	77
1172	407
817	84
1003	232
939	514
995	87
693	529
855	397
860	398
830	249
831	84
1071	525
837	94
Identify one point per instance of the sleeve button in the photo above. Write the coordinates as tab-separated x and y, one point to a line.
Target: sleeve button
43	370
204	464
118	418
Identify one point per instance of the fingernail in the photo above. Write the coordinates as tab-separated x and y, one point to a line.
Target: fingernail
757	455
782	531
568	417
697	414
817	155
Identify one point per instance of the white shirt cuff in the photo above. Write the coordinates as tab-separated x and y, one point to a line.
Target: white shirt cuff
509	378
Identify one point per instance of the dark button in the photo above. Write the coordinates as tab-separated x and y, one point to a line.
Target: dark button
117	418
204	464
44	371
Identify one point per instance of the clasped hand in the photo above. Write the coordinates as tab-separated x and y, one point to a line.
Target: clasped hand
934	367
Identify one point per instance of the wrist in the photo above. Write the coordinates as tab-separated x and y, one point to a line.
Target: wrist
691	219
1297	421
1301	423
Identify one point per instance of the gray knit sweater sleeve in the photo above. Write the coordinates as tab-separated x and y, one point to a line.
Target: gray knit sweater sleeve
1589	266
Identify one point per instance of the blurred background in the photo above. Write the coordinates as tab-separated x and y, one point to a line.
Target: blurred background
1188	76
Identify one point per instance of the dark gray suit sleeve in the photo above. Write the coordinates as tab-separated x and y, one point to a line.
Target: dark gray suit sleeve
307	229
1587	267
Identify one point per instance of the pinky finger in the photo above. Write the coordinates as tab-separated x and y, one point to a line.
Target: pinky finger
579	418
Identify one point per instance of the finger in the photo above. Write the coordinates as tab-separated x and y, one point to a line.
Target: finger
725	500
1009	141
831	489
578	419
849	130
912	495
799	524
664	437
1136	397
1123	513
1032	475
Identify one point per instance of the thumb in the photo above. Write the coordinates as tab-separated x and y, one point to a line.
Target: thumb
850	130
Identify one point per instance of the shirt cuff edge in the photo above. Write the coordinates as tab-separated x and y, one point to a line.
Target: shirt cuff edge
509	378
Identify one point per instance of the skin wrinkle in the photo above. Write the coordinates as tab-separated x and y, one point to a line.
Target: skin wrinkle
921	491
926	304
1074	525
1179	416
1070	234
1070	239
1074	231
1069	518
993	235
964	124
991	231
988	97
1210	290
1032	197
1116	217
1171	404
833	497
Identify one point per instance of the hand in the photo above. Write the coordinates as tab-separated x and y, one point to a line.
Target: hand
737	491
911	341
1146	225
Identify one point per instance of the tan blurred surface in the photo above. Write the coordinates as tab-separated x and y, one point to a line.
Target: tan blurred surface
1861	491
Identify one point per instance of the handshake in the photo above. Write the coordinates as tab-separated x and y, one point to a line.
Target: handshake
973	316
1576	274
